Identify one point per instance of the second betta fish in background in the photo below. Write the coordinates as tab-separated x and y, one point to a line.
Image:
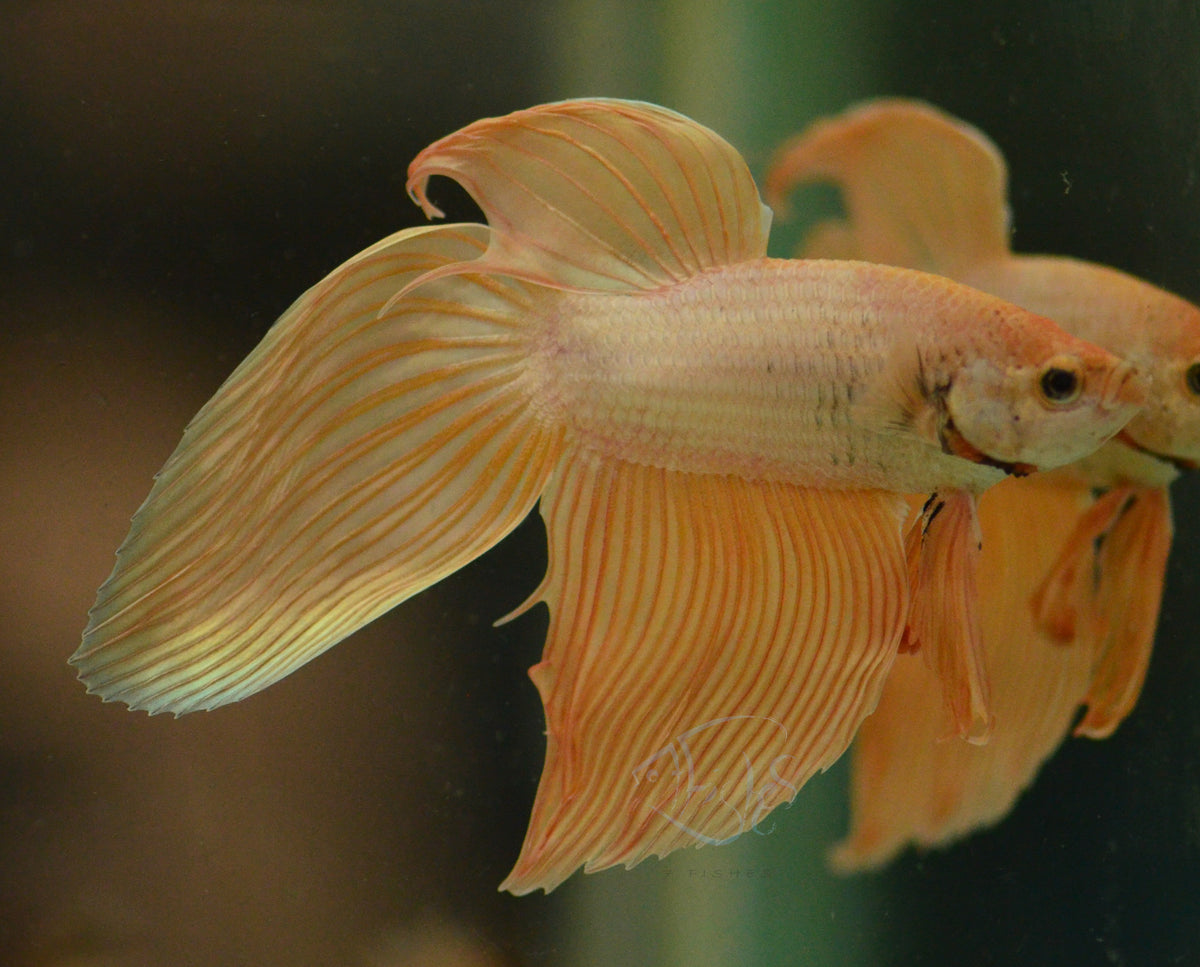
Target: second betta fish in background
721	444
1074	561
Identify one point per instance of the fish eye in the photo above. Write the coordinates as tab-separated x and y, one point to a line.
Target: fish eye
1061	381
1192	377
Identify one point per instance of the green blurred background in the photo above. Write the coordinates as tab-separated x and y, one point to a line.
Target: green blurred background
175	173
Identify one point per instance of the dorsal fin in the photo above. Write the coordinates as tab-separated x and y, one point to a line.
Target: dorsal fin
921	189
602	194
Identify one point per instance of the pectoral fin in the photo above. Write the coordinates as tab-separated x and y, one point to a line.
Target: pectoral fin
943	549
1133	564
713	642
912	785
1067	594
602	194
355	457
921	189
1104	593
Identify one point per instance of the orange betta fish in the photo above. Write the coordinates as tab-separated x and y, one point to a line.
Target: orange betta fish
1073	565
721	444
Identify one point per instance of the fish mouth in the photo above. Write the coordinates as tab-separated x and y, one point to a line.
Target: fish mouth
955	444
1182	464
1123	388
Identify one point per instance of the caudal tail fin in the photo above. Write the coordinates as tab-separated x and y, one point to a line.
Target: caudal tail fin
368	447
921	189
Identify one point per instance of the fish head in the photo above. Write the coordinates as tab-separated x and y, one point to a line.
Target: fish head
1029	396
1155	330
1166	352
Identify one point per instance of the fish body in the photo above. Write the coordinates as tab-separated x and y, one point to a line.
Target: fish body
1072	570
927	191
779	369
719	443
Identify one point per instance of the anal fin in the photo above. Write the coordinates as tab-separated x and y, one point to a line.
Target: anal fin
713	643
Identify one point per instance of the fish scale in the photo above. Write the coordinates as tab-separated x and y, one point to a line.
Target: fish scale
753	369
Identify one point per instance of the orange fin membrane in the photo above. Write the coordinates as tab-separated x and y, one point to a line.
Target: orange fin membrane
601	194
1067	595
832	238
1133	563
354	458
713	643
921	189
388	429
909	785
943	549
